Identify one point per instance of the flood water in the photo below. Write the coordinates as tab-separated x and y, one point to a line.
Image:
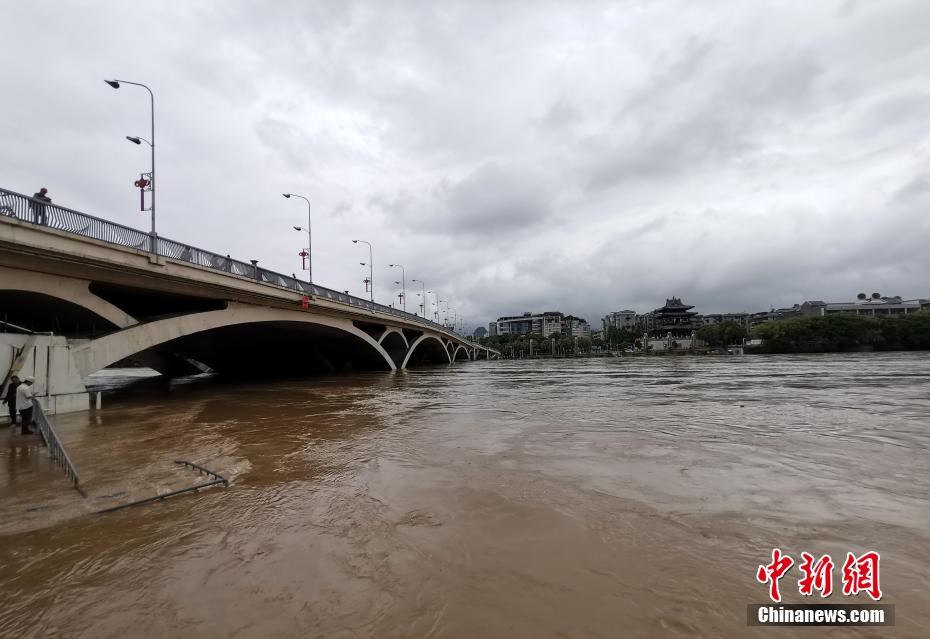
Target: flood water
589	498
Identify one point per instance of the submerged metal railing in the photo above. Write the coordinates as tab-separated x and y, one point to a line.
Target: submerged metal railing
217	480
56	449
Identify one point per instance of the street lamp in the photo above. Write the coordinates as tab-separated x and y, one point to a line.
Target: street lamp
309	237
403	283
371	268
423	305
136	140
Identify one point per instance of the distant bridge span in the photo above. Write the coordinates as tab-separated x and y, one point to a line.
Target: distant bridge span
99	297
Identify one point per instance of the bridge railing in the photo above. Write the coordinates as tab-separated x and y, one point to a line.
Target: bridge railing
27	209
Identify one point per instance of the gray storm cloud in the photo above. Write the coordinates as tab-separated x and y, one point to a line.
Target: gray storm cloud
583	157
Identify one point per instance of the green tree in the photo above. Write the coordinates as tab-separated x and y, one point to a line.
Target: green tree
722	334
844	332
621	337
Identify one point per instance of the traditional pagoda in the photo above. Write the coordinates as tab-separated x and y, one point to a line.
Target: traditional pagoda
675	320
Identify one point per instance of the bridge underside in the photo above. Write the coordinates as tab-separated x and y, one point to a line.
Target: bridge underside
46	313
266	349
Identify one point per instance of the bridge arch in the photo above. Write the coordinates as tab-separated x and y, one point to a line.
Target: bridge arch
432	349
72	296
394	331
215	338
460	349
395	343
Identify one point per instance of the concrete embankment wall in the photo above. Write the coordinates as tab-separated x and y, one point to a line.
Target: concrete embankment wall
58	385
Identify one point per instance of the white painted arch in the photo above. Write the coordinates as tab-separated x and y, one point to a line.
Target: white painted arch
418	341
99	353
71	290
390	330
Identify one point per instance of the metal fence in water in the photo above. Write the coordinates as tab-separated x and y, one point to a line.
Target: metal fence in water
56	449
27	209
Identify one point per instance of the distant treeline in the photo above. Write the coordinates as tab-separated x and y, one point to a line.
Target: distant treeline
844	332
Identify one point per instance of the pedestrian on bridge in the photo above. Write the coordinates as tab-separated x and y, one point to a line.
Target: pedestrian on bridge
38	205
10	398
24	395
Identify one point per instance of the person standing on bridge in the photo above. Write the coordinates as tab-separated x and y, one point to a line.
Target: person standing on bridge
24	397
38	205
10	398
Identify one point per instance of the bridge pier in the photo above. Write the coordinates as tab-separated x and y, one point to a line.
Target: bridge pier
58	386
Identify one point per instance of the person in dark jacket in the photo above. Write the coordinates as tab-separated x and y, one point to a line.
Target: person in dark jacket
10	398
38	205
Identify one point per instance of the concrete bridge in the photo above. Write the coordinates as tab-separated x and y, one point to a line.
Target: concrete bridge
78	294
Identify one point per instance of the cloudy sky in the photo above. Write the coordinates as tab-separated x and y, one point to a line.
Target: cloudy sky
514	155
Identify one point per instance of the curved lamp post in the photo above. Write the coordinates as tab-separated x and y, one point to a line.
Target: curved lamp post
136	140
403	283
309	236
371	268
423	305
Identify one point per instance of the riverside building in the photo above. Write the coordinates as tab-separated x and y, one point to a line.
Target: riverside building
620	319
672	326
541	325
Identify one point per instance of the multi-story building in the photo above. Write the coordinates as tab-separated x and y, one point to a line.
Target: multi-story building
515	325
549	323
575	327
541	324
740	319
776	314
875	305
672	326
620	319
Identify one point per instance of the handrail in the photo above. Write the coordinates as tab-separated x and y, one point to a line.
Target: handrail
56	449
35	211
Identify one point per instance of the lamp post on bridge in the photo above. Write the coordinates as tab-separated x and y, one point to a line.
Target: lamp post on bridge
423	304
309	236
453	316
403	284
137	140
371	268
446	315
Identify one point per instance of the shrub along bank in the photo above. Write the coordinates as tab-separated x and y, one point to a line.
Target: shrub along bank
844	333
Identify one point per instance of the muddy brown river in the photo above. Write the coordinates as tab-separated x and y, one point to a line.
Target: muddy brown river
588	498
